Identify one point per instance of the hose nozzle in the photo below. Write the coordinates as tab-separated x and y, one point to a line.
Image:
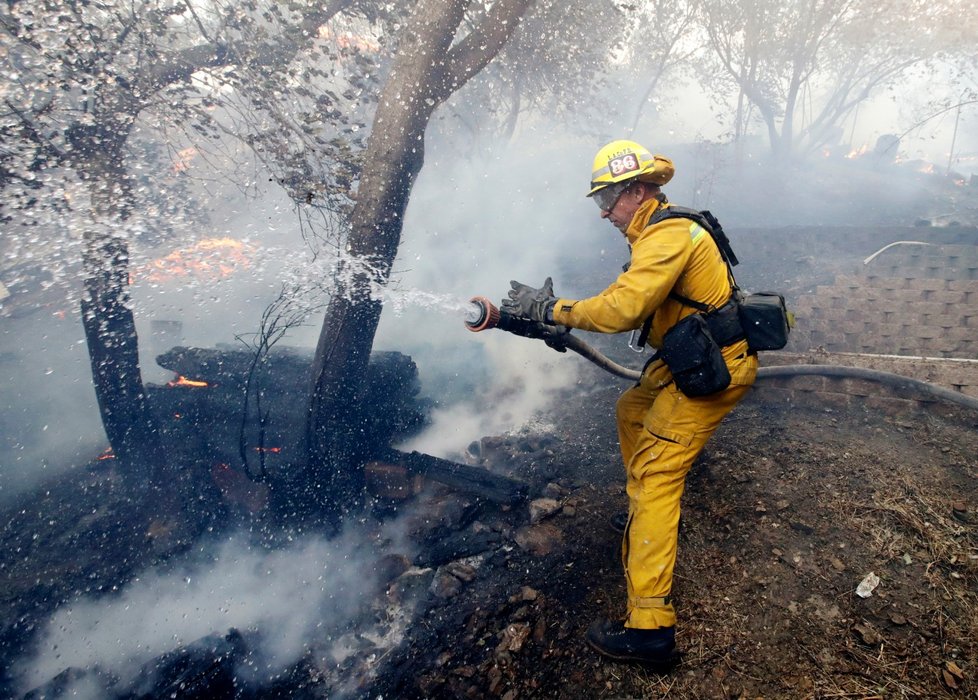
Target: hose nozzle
482	316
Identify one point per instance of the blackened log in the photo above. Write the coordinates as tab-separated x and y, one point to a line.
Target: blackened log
474	480
212	422
204	669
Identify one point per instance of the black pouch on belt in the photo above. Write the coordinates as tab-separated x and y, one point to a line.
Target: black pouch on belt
694	358
765	321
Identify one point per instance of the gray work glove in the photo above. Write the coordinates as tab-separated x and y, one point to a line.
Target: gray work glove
531	303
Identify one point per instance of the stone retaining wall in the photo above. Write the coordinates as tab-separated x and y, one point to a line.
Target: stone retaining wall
844	392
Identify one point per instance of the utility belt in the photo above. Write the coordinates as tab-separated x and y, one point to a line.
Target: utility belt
692	348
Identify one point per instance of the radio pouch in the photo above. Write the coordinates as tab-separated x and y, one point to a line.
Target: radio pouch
694	358
765	320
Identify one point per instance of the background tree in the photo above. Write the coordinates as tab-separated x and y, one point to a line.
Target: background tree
556	66
802	68
661	40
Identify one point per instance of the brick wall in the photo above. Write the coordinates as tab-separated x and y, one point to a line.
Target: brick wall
909	300
839	392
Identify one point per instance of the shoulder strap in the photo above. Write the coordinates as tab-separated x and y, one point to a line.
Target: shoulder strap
699	306
705	219
710	224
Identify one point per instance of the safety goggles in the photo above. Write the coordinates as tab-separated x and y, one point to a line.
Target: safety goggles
607	198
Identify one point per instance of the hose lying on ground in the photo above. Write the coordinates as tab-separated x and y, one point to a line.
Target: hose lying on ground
485	315
895	381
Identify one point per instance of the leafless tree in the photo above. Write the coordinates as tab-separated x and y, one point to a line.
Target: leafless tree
803	67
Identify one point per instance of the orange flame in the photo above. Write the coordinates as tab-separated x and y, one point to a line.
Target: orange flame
273	450
183	381
181	163
108	454
207	258
856	152
348	40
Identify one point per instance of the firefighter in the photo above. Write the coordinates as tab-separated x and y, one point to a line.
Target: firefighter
675	270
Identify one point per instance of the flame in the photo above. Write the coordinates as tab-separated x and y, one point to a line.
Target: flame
183	381
348	40
273	450
927	168
107	454
208	258
856	152
181	163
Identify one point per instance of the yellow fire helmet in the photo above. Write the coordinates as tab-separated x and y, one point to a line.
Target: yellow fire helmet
623	160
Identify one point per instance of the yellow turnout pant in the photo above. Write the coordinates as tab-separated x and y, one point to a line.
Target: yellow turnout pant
661	432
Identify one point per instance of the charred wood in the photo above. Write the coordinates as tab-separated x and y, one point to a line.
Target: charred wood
203	416
475	480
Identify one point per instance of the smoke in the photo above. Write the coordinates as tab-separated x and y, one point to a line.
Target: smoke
521	378
474	223
49	418
294	600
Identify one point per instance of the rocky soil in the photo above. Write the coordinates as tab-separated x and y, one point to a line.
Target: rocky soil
785	513
789	508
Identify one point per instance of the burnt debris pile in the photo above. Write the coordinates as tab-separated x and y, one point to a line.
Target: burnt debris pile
240	423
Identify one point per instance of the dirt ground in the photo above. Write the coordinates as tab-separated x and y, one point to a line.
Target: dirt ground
786	511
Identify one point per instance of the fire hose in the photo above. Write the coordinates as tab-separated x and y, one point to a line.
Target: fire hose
486	315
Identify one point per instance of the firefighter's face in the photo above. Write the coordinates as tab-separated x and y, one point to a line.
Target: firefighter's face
621	213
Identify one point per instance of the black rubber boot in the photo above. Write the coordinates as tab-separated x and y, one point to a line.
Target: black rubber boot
656	648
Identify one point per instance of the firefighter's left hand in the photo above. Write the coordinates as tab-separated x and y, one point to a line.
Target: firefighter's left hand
556	337
529	302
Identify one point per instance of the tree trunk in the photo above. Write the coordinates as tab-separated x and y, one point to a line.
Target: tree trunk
110	328
110	331
427	70
395	154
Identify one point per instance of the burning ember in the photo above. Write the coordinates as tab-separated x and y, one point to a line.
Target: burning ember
181	163
348	40
268	450
183	381
210	258
108	454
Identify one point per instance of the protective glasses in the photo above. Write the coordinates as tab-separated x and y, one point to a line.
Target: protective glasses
607	198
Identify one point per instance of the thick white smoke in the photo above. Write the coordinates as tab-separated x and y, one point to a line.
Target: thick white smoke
296	598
